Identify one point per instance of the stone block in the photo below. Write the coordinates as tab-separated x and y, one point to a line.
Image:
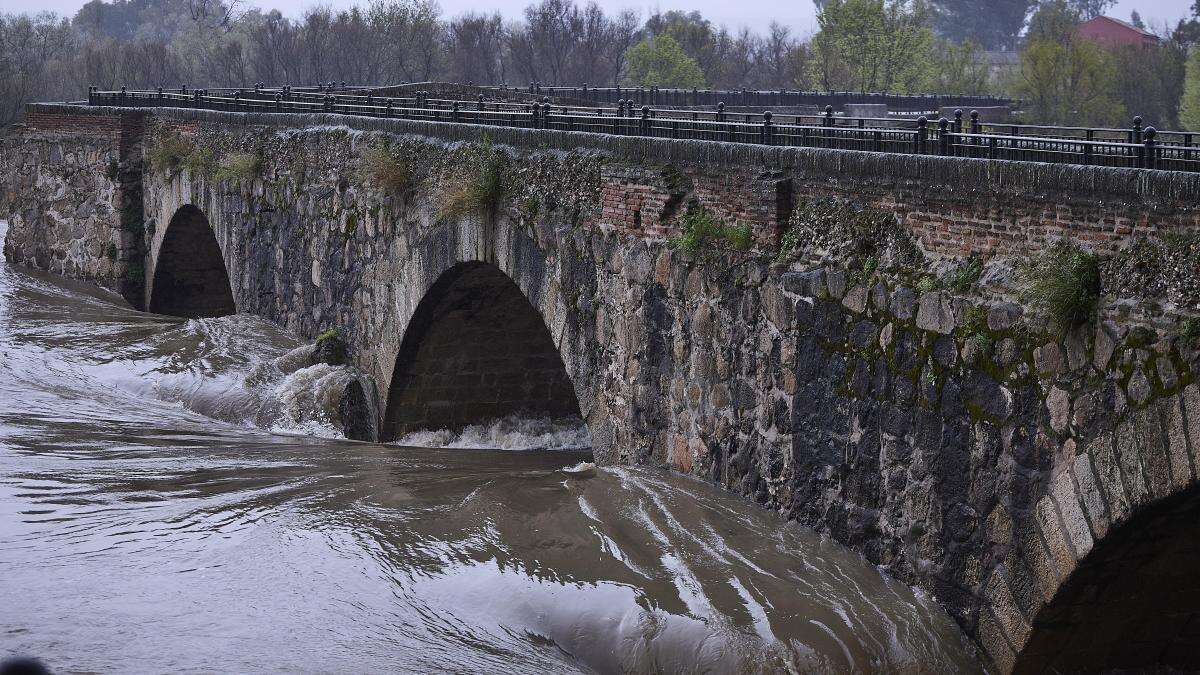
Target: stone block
1058	403
1131	463
1149	432
1090	495
1138	388
991	637
1004	607
935	313
1048	359
1062	489
809	284
855	299
1058	545
1174	425
903	303
1104	345
1076	344
1191	419
835	282
1108	471
1002	316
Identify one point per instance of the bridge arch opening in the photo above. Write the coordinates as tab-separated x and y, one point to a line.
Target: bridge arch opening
1132	604
190	279
476	351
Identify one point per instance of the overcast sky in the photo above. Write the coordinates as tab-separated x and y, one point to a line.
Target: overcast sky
757	14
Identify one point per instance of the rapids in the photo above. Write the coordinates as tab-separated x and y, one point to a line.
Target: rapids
174	497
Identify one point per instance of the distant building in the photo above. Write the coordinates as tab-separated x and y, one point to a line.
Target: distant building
1112	32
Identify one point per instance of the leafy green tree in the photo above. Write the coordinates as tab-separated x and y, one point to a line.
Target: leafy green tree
1189	112
1065	80
959	69
992	24
1149	81
873	45
661	62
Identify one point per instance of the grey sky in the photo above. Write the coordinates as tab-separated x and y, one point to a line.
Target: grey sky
757	14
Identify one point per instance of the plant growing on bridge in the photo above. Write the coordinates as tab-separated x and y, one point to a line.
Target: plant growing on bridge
482	191
168	151
383	170
701	228
1064	282
240	166
965	275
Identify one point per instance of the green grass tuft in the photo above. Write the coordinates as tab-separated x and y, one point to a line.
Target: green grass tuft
382	170
482	191
240	166
701	228
927	284
965	276
1064	282
1191	329
168	151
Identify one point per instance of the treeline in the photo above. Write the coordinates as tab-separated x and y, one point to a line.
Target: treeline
902	46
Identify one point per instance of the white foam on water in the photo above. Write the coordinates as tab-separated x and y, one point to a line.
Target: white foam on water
514	432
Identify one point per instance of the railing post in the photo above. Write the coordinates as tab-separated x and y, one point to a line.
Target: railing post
976	127
766	131
534	114
645	126
922	131
278	102
828	120
481	103
720	111
91	94
958	113
1151	159
387	111
943	136
1135	136
328	103
454	111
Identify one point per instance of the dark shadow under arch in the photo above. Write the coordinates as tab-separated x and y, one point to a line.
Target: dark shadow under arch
190	279
475	350
1132	604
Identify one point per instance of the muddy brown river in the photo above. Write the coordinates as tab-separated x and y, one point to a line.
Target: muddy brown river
172	499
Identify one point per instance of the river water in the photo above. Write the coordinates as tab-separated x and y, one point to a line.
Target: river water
173	499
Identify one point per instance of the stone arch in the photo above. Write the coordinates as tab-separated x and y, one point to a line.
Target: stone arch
475	349
1132	603
190	279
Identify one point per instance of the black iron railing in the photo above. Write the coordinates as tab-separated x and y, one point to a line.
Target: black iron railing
761	98
962	136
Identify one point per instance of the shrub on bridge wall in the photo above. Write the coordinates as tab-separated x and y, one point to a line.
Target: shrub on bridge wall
385	171
483	190
168	151
240	166
701	229
1064	282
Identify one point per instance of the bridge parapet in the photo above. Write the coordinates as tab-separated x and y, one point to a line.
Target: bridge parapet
710	316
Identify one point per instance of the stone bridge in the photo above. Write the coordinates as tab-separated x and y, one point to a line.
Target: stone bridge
799	326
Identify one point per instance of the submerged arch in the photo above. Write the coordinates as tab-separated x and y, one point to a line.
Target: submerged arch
1132	604
475	350
190	279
